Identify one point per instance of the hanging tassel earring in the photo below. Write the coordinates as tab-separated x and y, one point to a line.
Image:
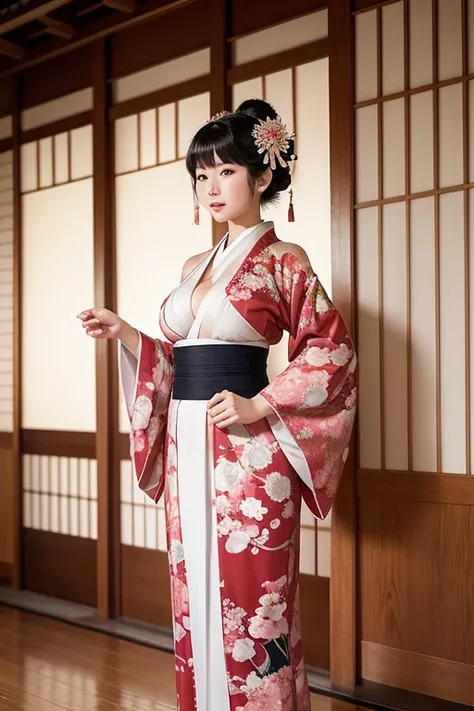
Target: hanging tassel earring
291	211
196	213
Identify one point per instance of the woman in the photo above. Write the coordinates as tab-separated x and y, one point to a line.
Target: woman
233	453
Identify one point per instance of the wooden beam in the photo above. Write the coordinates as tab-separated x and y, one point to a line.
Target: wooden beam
106	382
120	5
58	28
11	49
98	30
343	530
220	95
36	9
17	342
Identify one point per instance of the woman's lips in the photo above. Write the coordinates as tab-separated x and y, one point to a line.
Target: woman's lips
217	206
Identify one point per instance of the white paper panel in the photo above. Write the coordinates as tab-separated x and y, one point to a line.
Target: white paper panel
93	479
93	520
366	154
176	71
54	473
126	481
449	39
471	131
368	337
311	184
57	272
366	55
46	162
148	131
126	144
126	525
54	508
6	127
306	518
471	317
308	552
61	158
393	58
450	135
27	514
139	526
193	113
278	91
150	213
280	37
151	524
423	334
421	142
29	167
64	515
421	42
81	153
393	147
395	336
67	105
452	313
167	132
324	553
471	35
251	89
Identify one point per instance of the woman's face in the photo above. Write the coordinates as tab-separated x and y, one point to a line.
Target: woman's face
225	192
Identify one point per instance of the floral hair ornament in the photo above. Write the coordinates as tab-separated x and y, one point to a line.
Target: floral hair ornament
219	115
272	138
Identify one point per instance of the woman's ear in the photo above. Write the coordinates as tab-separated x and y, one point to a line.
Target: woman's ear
264	180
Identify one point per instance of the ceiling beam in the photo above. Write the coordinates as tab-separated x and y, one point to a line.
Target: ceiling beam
120	5
57	28
101	28
36	9
11	49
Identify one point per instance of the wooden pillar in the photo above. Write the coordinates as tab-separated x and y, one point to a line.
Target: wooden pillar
343	639
16	439
220	17
106	368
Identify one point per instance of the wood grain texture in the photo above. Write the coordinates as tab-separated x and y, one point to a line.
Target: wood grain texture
343	531
415	486
60	566
441	678
7	519
145	586
416	577
49	666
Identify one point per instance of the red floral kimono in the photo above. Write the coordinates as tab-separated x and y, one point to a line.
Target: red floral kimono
233	496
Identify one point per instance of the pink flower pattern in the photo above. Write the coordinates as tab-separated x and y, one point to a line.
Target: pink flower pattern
258	493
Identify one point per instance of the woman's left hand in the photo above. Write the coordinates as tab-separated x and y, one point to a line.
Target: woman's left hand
227	409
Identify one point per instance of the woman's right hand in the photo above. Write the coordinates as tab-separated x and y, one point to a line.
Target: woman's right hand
101	323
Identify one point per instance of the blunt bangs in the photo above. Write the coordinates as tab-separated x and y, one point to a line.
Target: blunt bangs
213	142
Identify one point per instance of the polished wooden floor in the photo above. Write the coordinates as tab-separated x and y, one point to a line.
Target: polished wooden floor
49	666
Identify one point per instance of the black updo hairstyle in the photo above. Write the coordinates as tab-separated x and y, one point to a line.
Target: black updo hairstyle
230	139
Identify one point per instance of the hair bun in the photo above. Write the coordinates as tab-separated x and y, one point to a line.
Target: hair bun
257	109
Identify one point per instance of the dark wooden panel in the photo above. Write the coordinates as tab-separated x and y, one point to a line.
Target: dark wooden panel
417	577
59	444
6	440
60	566
57	77
343	620
6	573
145	588
6	97
124	440
415	486
314	602
6	144
250	16
416	672
180	32
277	62
8	519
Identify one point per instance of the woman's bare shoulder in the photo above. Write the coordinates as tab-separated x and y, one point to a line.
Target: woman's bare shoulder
192	263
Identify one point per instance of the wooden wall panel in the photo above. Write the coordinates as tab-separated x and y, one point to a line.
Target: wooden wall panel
249	16
60	566
138	48
145	586
6	509
55	78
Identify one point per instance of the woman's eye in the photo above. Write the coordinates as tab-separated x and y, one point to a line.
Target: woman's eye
201	178
227	171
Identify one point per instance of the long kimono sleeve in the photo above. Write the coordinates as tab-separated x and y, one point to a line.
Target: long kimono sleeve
314	398
147	380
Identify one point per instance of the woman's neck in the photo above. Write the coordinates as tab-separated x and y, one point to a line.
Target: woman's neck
236	228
